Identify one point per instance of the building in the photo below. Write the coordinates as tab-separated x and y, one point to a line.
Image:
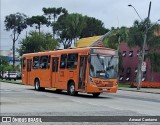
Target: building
8	54
129	57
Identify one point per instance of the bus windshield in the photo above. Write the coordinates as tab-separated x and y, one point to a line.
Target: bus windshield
105	67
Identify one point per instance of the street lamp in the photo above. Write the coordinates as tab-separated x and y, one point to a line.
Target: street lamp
143	48
135	11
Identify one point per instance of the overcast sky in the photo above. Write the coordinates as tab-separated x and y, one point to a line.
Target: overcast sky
113	13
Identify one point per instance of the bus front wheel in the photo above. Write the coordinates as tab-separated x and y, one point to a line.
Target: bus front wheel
71	89
96	94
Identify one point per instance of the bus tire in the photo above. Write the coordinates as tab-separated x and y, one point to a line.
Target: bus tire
71	89
37	85
96	94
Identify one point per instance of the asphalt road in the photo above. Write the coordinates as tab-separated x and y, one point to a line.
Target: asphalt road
21	100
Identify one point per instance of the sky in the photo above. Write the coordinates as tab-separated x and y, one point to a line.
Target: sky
113	13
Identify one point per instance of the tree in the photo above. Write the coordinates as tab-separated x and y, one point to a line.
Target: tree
38	21
15	23
69	28
3	62
93	27
54	13
115	37
136	38
76	23
113	40
37	42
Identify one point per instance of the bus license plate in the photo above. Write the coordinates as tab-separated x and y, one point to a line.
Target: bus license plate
104	89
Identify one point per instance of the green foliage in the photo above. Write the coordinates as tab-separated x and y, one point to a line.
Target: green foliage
136	38
36	42
69	27
8	68
72	26
155	60
76	23
115	37
3	61
15	22
93	27
136	35
113	40
132	85
38	21
54	12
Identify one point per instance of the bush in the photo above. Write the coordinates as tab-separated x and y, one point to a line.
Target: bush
147	84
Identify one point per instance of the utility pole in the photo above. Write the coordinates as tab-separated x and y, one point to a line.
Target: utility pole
143	49
141	56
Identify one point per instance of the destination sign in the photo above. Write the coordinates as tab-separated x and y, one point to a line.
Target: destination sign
104	51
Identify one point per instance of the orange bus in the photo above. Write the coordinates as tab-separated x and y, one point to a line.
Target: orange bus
92	70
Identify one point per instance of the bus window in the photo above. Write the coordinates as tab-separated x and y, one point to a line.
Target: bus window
55	64
72	61
63	61
24	63
48	66
35	62
43	62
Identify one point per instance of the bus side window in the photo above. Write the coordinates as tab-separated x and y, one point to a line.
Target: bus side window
44	62
63	61
48	65
72	61
24	63
35	62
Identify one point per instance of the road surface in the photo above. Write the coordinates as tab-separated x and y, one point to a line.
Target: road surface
21	100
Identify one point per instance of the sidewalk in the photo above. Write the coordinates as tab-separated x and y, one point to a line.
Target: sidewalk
144	90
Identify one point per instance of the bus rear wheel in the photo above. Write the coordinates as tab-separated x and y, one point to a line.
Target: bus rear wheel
71	89
37	85
96	94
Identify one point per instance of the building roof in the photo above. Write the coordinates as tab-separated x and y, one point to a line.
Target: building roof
84	42
91	41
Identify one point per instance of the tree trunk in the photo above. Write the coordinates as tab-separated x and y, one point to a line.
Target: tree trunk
75	42
14	54
39	28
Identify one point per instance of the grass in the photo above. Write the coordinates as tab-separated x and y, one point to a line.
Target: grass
122	85
11	81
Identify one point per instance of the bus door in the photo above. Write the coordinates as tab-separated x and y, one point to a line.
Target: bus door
82	72
45	71
29	64
54	76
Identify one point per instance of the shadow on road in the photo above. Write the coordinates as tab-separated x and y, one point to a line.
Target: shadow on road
79	95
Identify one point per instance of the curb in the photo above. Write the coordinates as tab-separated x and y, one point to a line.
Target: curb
118	88
19	83
138	91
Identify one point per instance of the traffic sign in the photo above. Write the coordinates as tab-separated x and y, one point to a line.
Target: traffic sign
143	68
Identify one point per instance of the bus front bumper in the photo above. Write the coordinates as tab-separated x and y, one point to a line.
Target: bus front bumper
95	89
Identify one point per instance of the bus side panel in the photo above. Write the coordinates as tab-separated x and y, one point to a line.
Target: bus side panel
24	76
45	78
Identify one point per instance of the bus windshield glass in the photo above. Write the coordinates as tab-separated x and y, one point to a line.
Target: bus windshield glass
105	67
